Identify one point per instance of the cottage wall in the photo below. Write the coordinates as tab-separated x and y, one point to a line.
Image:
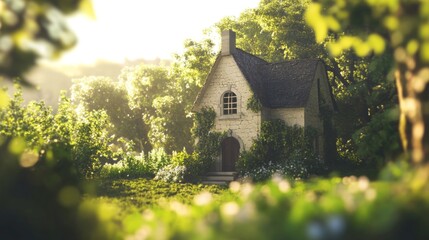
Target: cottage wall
291	116
325	89
226	76
319	96
312	114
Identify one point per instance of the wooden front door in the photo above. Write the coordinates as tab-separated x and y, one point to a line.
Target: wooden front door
230	153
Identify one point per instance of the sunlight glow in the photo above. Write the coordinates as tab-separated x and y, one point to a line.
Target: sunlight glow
129	29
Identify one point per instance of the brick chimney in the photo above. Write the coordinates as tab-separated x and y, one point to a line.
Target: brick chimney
228	42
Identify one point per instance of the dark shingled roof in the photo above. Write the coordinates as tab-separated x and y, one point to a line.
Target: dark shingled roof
277	85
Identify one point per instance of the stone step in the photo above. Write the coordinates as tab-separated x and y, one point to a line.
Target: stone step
215	183
219	178
221	174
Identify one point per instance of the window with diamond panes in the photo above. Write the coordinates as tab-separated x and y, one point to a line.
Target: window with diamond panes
229	103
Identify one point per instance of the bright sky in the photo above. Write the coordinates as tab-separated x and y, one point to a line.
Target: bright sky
135	29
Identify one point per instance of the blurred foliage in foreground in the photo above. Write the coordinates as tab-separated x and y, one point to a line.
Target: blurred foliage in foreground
43	158
336	208
34	29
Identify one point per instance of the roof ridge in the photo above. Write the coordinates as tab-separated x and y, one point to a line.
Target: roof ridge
252	55
295	60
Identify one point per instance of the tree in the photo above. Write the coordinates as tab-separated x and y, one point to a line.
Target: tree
375	27
164	95
102	93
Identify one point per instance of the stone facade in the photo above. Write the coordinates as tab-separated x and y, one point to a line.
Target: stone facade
244	125
291	116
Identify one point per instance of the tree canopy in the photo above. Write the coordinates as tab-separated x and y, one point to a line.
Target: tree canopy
373	28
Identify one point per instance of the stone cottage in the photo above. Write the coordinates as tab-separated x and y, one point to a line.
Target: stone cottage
294	91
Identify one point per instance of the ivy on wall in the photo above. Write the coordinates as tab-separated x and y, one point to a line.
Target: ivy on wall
254	104
283	149
208	141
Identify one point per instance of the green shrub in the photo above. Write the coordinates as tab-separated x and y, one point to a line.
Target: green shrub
132	167
280	149
157	159
84	135
194	167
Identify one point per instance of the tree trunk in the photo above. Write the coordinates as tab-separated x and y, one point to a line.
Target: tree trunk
413	92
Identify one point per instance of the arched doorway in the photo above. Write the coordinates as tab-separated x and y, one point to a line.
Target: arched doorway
230	153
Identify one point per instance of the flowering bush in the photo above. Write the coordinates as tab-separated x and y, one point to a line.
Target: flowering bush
280	149
171	173
294	169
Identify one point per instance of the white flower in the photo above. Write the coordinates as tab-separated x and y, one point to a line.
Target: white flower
230	209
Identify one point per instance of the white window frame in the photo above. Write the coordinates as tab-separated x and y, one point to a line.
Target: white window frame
229	103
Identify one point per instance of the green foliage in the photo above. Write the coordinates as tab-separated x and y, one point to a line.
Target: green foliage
337	208
193	164
38	176
143	194
156	94
177	167
379	140
208	141
151	105
374	28
254	104
35	187
404	22
101	93
194	65
129	198
131	167
280	149
84	137
157	158
33	123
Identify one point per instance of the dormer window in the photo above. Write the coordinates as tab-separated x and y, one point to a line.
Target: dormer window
229	103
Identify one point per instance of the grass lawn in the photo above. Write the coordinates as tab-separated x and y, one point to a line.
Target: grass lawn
124	200
132	195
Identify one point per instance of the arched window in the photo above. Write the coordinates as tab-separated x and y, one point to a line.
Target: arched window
229	103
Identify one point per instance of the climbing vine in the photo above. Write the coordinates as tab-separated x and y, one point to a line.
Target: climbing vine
208	141
254	104
283	149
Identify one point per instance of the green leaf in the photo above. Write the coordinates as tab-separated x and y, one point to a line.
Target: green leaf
316	21
391	23
335	49
412	47
361	48
333	23
377	43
